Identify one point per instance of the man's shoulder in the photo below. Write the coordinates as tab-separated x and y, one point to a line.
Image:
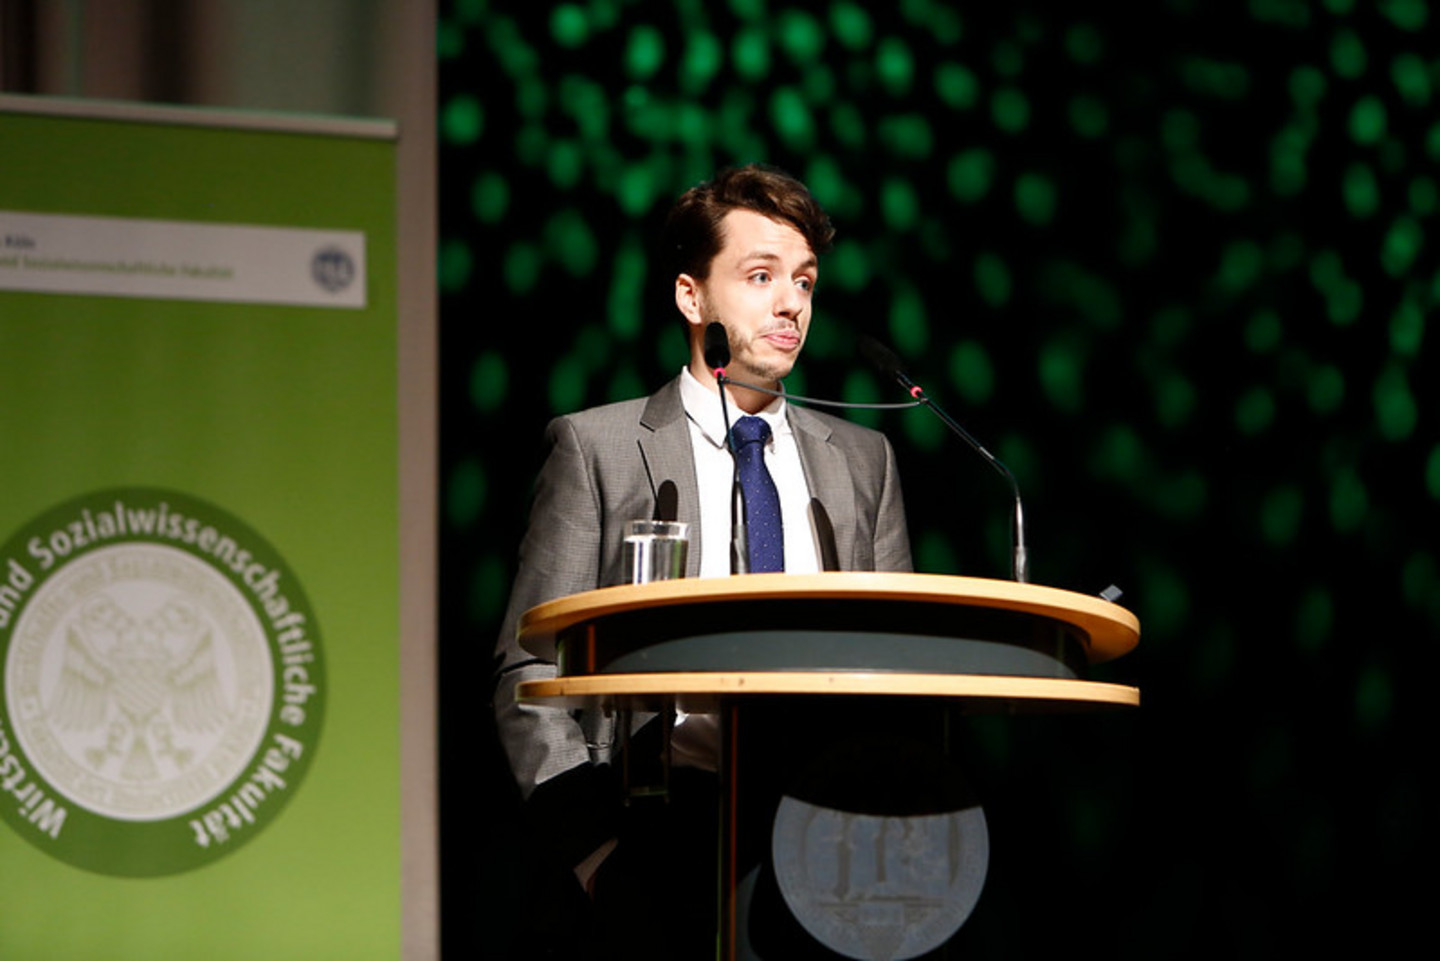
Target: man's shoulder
634	411
838	429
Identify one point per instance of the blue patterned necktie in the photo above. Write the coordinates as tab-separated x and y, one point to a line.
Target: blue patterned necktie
762	499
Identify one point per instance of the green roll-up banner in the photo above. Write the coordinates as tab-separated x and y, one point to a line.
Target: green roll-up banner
199	714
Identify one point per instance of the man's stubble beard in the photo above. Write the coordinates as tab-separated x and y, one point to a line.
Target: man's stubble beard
743	358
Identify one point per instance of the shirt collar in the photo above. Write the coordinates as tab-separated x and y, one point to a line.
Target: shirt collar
702	406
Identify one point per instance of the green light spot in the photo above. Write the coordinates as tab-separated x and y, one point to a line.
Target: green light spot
454	266
1174	401
489	382
1362	193
1411	78
1314	620
1420	582
970	174
1326	389
1280	515
1089	116
1010	110
465	494
1180	130
1083	43
909	327
462	120
1118	455
1164	600
1289	13
1349	501
532	97
926	433
522	267
1374	699
625	384
934	555
489	586
1326	270
1263	332
572	243
894	65
567	385
819	84
1347	54
468	11
645	52
1287	160
1307	86
860	388
801	36
1409	15
531	145
1407	328
449	41
490	197
1170	326
847	266
701	61
1061	371
971	372
1240	266
1402	244
956	86
569	26
1182	497
992	280
1217	78
750	53
848	125
851	25
1008	59
1424	197
791	118
1035	198
1432	472
1395	408
625	310
907	135
1254	411
899	204
825	180
564	164
1367	120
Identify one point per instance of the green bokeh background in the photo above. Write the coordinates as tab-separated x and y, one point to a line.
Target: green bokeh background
1173	262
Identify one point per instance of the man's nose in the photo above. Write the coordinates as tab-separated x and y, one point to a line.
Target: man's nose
789	301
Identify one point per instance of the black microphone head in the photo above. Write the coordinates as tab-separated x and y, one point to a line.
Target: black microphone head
667	502
882	357
717	345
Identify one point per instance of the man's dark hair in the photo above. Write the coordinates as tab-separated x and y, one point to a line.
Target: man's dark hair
693	234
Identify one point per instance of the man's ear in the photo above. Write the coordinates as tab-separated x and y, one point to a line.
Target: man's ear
687	299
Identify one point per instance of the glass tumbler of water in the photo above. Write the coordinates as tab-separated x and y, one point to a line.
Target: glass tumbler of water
655	550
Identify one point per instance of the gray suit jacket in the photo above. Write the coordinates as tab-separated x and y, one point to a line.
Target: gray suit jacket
605	466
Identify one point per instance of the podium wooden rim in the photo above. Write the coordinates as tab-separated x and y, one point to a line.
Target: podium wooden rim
702	688
1112	630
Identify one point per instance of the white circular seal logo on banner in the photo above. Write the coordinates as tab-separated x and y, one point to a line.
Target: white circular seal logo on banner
162	683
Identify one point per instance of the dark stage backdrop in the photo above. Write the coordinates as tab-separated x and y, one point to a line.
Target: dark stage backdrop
1176	265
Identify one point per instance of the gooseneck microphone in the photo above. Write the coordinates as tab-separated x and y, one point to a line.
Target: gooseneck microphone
887	363
717	356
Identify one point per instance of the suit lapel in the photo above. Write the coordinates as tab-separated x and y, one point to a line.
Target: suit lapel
664	439
828	477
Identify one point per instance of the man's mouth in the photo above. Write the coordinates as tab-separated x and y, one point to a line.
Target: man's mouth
786	339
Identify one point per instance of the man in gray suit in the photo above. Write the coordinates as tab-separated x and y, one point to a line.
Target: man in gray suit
743	251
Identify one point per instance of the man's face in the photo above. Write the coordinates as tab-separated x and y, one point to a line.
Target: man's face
759	287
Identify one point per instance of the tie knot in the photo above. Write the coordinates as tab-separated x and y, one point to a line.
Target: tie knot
749	429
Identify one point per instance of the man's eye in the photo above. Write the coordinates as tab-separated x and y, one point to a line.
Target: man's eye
806	283
760	277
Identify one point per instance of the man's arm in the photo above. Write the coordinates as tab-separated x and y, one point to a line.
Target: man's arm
548	751
892	537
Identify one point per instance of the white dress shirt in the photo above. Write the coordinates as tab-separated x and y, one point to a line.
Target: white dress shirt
715	475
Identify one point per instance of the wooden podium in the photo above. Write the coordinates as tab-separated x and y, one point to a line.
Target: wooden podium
788	663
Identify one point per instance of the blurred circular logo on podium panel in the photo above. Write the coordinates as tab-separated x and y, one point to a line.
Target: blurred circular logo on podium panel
162	682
